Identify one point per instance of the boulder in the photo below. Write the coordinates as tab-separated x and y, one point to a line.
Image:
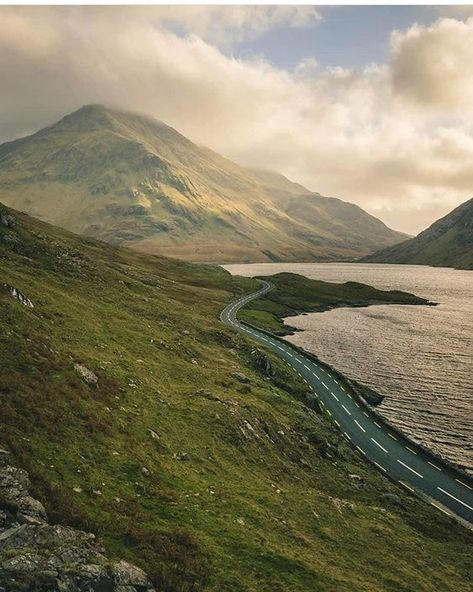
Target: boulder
89	377
240	377
7	220
392	499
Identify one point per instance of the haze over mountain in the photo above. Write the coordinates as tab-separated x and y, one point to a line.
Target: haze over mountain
447	242
133	180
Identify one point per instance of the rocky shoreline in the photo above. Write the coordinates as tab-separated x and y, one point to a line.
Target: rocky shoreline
36	556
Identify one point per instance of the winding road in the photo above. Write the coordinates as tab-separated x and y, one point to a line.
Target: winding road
392	453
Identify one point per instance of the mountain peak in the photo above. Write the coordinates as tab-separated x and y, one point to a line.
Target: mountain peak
131	179
87	118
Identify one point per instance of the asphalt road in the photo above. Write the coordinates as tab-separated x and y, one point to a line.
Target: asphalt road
401	459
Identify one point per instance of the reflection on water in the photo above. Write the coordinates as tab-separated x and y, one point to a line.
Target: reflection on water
419	357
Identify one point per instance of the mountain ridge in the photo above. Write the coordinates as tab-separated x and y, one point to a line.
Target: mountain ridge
448	242
130	179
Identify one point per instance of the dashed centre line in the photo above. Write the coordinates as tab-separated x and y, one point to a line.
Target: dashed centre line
410	468
360	426
378	444
349	413
455	498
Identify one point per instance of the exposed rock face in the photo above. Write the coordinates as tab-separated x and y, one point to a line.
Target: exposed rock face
87	375
17	295
35	555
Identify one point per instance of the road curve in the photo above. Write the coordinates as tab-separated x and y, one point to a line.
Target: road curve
399	458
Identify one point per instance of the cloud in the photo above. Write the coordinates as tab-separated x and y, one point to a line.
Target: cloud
390	138
226	25
432	65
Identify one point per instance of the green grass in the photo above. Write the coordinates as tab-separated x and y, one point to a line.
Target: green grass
294	294
262	499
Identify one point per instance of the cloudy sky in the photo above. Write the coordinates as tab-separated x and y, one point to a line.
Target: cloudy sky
370	104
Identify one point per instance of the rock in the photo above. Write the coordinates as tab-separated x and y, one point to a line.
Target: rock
145	471
126	574
17	295
240	377
89	377
7	220
37	555
392	499
153	434
182	456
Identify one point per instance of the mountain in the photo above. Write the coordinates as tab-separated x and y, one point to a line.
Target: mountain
446	243
121	394
132	180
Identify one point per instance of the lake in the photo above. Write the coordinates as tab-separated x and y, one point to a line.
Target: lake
419	357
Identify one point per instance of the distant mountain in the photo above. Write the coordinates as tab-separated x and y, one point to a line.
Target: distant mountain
448	242
132	180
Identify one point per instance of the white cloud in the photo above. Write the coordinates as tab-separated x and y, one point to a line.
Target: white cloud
433	65
392	138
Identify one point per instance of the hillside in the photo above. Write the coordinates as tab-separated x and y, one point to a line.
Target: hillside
446	243
132	180
189	452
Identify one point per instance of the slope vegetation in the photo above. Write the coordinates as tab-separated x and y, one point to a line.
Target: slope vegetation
132	180
446	243
187	450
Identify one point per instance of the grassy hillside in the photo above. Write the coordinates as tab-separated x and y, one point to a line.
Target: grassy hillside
132	180
294	294
446	243
207	482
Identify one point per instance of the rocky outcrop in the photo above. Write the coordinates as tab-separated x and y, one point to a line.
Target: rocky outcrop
17	295
41	557
89	376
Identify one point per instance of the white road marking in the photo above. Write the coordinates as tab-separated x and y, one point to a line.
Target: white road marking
334	396
360	426
435	466
410	450
362	451
346	409
464	484
378	444
364	413
410	469
329	412
376	424
455	498
391	436
346	436
316	375
306	367
441	509
380	467
337	423
325	385
407	486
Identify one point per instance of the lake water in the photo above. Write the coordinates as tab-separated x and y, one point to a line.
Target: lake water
419	357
